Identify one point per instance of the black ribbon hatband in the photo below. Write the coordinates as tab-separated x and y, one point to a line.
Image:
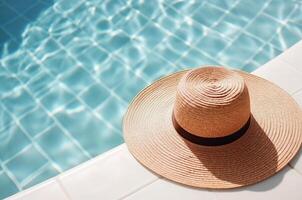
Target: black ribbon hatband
210	141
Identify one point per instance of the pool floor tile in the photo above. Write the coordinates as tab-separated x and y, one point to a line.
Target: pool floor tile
169	19
134	85
5	119
56	97
153	67
19	102
91	133
112	42
265	54
95	95
287	31
185	7
190	31
13	140
151	35
113	110
279	12
224	4
92	57
60	148
211	40
207	14
147	8
132	53
134	23
114	68
171	49
263	27
247	10
40	84
47	172
195	58
77	79
8	184
58	63
26	163
241	47
7	84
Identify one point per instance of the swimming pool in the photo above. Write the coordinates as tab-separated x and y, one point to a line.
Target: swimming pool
69	68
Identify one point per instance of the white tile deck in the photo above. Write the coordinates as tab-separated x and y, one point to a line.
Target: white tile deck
294	56
117	175
113	176
48	190
164	189
285	185
281	73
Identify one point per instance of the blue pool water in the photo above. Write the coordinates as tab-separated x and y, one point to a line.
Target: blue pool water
69	68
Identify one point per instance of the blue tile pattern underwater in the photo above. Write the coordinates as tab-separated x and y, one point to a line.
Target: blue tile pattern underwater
69	68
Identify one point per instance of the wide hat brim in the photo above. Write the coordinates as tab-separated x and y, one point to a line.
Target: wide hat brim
271	141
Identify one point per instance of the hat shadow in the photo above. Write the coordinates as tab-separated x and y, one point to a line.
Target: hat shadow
252	154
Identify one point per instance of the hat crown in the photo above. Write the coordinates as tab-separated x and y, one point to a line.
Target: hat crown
212	102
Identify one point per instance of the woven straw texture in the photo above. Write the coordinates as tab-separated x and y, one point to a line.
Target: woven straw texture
272	140
215	96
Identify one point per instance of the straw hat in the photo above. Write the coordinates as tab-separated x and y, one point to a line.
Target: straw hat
213	128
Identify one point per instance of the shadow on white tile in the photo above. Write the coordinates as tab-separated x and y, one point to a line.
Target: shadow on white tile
48	190
296	163
163	189
109	178
284	185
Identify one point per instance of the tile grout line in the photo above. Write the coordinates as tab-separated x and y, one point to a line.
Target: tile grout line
245	26
62	188
201	24
63	129
14	18
172	34
269	40
16	155
11	176
32	144
76	97
139	188
55	120
49	73
211	29
34	175
66	15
